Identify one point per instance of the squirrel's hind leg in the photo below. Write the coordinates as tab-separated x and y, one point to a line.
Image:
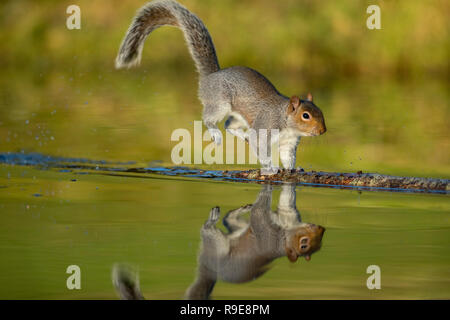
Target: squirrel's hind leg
214	216
236	125
212	114
233	219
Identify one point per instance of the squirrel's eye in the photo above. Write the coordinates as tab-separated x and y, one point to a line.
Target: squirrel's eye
306	116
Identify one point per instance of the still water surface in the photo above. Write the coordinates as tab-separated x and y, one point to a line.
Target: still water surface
53	218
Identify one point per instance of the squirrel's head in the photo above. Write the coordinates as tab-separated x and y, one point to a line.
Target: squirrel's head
306	116
304	241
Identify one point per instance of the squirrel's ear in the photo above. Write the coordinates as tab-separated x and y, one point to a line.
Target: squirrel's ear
309	97
294	103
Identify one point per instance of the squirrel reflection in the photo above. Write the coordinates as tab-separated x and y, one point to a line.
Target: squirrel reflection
243	254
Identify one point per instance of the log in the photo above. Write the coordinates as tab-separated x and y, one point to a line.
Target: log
356	180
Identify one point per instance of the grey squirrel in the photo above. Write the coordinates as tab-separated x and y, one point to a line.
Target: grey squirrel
244	252
242	94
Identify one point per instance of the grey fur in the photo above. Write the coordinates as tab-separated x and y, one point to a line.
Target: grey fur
126	282
245	252
238	92
241	255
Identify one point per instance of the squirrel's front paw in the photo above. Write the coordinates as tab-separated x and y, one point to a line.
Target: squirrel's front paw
216	136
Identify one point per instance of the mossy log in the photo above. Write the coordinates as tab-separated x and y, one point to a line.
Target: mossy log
358	179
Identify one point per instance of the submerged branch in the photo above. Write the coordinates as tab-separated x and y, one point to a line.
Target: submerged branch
359	179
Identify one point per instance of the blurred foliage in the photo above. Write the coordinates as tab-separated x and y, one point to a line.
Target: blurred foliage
384	92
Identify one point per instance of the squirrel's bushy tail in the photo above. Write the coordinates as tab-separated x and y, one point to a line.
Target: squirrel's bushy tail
126	282
167	12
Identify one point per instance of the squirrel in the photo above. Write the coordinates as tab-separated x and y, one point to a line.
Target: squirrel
245	251
243	95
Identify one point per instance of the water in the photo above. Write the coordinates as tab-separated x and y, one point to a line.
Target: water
52	218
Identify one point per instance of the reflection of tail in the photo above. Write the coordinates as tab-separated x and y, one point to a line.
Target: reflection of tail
203	286
159	13
126	283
